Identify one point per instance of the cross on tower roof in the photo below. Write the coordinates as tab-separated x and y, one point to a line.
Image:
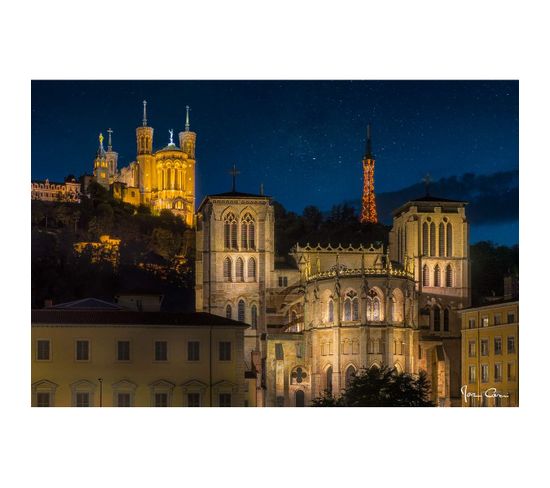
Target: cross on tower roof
234	172
427	180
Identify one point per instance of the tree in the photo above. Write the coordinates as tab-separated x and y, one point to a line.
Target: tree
380	387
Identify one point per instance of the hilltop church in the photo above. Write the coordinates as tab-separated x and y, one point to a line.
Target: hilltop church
337	308
162	179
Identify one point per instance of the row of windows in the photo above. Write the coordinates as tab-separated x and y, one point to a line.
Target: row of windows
239	269
497	320
248	232
497	346
435	319
241	313
125	399
437	276
497	372
123	351
429	242
351	309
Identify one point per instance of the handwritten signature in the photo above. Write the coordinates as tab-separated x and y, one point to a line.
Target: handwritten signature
488	393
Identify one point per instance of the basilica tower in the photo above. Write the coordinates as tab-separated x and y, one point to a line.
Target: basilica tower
187	138
368	211
144	139
101	170
112	158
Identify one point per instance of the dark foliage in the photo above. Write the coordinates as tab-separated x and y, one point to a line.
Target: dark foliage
381	387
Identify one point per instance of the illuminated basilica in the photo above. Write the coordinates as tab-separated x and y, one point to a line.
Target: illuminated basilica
162	179
337	309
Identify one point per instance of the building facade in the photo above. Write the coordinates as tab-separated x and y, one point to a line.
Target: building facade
335	309
108	356
49	191
490	359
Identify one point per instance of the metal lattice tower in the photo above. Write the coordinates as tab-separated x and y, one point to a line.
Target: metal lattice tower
368	212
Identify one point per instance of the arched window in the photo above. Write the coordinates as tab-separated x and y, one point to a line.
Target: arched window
239	271
331	310
446	320
350	373
441	239
449	240
254	316
448	276
425	238
432	239
393	309
228	311
299	398
329	379
437	319
247	232
347	309
355	309
373	307
425	276
252	269
240	311
230	231
227	269
437	275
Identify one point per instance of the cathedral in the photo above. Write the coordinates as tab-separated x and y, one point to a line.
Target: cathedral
162	179
337	308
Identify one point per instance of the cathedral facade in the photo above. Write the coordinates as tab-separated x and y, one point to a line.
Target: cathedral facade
337	309
162	179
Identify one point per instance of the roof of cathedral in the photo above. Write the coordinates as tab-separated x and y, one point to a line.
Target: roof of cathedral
124	317
238	194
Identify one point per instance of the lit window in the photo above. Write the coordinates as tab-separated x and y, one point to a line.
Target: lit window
43	350
347	309
472	374
161	351
252	268
484	373
472	349
498	372
225	351
485	322
230	231
227	269
193	351
247	232
485	347
82	350
240	269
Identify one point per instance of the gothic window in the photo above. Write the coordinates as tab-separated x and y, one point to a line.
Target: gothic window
437	319
347	309
448	276
227	269
300	398
425	276
350	373
393	309
441	239
228	311
446	320
425	239
329	379
254	316
240	311
432	239
331	310
247	232
373	306
230	231
355	309
252	269
449	239
239	271
437	275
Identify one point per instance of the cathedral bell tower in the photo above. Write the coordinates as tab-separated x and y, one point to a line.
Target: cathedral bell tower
101	170
112	158
144	139
188	138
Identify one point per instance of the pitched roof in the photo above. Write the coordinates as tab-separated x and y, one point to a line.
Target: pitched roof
238	194
122	317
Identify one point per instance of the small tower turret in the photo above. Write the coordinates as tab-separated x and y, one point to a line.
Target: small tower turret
112	158
144	134
188	139
145	158
101	169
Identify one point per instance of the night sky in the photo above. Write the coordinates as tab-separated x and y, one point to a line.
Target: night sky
303	140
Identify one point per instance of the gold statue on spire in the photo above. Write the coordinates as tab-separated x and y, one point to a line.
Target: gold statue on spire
100	139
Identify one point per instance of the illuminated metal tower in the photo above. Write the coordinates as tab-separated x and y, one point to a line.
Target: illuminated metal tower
368	212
